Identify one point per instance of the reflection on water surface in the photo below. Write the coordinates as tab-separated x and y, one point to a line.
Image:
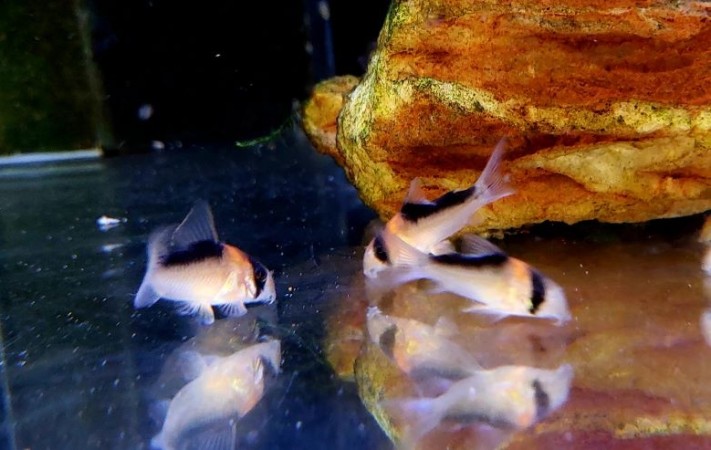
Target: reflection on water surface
635	345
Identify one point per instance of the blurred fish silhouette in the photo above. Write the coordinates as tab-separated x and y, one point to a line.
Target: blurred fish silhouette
507	397
223	390
499	285
424	224
188	264
418	349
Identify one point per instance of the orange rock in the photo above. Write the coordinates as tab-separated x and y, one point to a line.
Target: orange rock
607	106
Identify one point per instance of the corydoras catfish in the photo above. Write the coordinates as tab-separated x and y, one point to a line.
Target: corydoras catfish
418	349
424	224
498	284
506	397
224	389
187	263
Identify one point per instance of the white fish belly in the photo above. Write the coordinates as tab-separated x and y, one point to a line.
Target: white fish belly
228	390
200	282
488	286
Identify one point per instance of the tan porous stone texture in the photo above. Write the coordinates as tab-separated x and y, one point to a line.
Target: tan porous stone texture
606	104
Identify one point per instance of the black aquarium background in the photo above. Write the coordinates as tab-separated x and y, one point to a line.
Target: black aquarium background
220	70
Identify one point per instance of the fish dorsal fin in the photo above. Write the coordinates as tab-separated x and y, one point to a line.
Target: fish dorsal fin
472	244
415	194
159	244
197	226
445	327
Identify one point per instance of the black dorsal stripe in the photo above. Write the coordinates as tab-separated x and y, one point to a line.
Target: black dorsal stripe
196	252
387	341
380	251
543	401
457	259
412	212
260	274
538	291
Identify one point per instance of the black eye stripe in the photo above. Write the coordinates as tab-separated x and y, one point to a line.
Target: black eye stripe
387	341
260	274
543	401
538	291
379	249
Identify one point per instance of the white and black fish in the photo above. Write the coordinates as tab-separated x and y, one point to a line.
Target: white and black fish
424	224
498	284
223	390
188	264
506	397
418	349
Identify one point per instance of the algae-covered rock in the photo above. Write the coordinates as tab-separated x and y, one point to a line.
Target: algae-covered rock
321	110
607	106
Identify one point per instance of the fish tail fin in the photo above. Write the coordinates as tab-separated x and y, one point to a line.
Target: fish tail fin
146	295
158	442
492	184
158	411
158	247
418	417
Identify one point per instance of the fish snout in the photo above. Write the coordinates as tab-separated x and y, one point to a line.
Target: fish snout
556	304
372	266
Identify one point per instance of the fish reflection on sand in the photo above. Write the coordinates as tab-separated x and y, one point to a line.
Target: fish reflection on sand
499	285
424	224
187	263
224	390
418	349
507	397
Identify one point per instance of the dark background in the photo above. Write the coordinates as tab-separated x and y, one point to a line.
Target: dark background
220	70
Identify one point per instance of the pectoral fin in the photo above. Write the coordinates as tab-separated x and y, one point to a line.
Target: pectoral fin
234	309
202	310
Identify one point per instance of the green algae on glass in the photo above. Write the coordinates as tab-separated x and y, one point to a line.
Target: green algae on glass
49	94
